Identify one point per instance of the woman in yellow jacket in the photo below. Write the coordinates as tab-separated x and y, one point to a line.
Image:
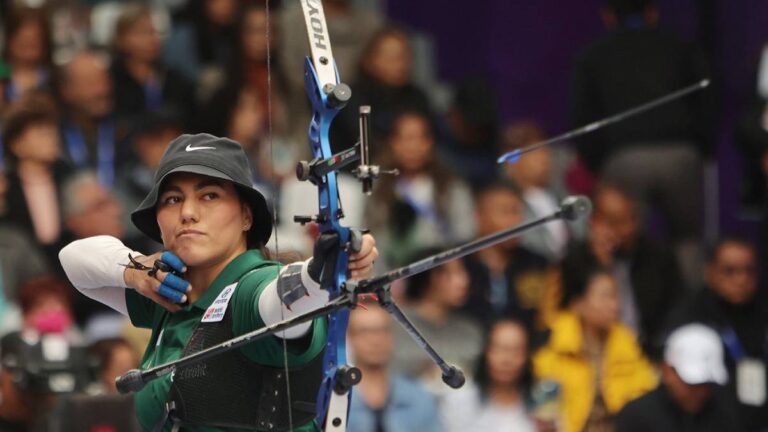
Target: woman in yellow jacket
596	360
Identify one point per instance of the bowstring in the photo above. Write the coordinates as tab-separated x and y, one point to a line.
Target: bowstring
276	202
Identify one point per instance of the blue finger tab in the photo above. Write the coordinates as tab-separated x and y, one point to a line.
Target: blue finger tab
172	260
170	293
176	283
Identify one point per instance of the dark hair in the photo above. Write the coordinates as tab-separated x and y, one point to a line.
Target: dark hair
417	285
714	250
608	187
385	189
496	186
483	379
35	289
32	109
577	271
17	18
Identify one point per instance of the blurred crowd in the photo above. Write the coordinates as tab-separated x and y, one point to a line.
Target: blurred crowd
628	321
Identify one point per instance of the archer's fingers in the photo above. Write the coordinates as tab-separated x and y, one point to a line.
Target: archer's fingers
171	294
157	298
367	247
364	261
173	281
172	260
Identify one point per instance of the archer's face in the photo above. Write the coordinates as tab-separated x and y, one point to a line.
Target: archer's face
202	219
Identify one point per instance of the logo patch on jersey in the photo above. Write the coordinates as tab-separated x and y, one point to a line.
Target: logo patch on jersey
218	308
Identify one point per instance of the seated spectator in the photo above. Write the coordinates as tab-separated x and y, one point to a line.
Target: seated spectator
202	43
384	400
434	300
532	175
90	133
350	28
251	109
425	205
92	210
506	279
385	83
596	360
27	52
733	306
645	270
689	397
498	399
149	138
141	82
471	147
34	170
658	155
20	260
46	307
116	357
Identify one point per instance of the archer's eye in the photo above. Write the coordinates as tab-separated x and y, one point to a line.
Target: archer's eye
171	199
208	196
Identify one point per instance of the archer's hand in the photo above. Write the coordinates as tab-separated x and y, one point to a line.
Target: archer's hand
361	263
165	289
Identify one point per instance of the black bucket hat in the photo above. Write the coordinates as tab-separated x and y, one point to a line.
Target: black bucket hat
214	157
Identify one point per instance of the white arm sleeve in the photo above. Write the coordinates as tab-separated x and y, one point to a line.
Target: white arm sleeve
272	309
93	266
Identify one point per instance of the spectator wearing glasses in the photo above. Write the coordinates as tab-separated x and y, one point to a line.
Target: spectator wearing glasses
733	305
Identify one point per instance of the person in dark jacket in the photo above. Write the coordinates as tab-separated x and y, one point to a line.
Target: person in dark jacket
657	155
507	279
646	271
732	304
690	397
141	82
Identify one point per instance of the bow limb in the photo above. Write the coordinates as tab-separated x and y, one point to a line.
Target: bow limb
327	96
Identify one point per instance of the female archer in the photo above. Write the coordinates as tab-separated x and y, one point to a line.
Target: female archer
213	226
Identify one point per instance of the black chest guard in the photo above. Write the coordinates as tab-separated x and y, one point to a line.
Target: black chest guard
229	390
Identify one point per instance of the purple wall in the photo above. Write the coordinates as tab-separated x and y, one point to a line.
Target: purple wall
526	49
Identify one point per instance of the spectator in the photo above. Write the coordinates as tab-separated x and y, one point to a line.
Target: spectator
240	109
498	399
689	397
350	28
659	154
532	175
20	260
141	83
384	400
116	357
506	279
732	305
645	270
596	360
384	82
149	138
202	44
46	307
27	52
92	210
32	158
471	147
89	130
435	298
425	205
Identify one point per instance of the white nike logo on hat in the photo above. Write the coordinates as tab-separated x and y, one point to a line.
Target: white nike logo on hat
190	148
